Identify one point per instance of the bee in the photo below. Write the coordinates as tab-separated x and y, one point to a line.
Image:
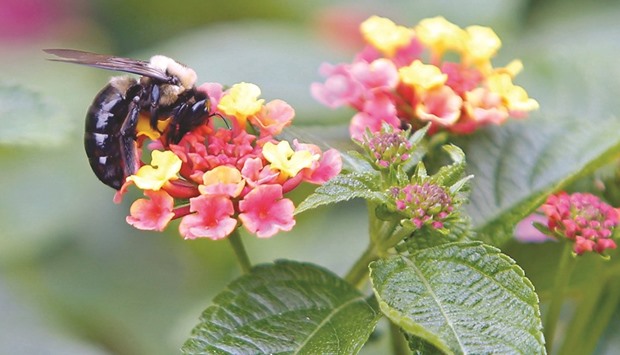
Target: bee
165	90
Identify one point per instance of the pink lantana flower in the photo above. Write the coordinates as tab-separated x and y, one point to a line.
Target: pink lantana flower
153	213
255	173
481	107
583	219
326	168
273	117
377	110
441	106
212	218
320	171
264	212
339	89
461	79
380	74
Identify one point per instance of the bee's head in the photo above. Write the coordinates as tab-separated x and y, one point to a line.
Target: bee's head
185	77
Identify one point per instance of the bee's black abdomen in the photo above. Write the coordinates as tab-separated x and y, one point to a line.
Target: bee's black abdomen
108	170
101	135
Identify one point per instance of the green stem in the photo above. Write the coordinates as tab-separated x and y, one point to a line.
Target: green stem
396	234
562	277
399	346
374	224
240	253
602	316
584	313
359	270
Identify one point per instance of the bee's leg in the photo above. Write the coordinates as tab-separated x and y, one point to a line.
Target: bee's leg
128	138
174	128
153	100
186	118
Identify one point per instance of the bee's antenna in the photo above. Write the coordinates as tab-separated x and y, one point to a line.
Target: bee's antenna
222	117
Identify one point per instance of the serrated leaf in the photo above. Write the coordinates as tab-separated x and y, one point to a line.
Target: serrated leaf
449	175
28	119
456	229
461	298
354	161
516	166
341	188
285	308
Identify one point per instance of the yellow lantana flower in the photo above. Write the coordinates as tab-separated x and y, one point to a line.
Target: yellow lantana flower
289	162
164	167
385	35
422	77
513	68
482	43
514	96
241	101
440	35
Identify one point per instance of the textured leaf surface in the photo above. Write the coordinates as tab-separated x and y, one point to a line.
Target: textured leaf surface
343	188
28	119
516	166
285	308
461	298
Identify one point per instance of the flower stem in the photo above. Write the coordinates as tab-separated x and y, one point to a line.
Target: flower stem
603	314
585	315
359	270
562	277
240	253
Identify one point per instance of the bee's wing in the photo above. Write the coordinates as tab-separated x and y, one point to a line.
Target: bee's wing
108	62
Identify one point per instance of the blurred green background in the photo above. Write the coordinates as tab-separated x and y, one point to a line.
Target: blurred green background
76	279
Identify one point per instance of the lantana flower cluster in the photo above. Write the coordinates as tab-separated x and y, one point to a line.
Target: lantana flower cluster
582	218
420	200
434	72
387	148
425	204
219	177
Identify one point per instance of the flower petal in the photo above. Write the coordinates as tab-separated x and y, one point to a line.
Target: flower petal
164	167
265	212
152	214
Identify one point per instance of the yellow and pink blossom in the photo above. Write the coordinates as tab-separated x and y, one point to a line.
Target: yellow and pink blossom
432	78
216	179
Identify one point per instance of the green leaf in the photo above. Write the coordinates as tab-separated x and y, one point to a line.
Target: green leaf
283	308
518	165
456	229
461	298
341	188
453	174
28	119
354	161
420	346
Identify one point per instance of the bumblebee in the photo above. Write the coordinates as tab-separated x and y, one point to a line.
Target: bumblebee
165	90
